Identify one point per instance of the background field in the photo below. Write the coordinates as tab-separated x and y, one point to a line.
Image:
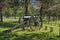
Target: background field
28	35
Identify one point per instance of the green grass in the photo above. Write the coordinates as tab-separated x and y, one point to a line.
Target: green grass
28	35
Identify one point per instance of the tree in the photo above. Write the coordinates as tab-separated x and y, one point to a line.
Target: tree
1	6
26	6
45	4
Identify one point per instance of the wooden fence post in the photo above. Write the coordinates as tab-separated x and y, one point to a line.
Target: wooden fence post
51	29
45	27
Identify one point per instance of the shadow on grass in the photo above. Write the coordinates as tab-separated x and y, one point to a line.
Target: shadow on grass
31	36
8	24
15	22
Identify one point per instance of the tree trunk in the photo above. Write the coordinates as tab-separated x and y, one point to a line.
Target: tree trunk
41	16
53	18
58	17
48	18
26	6
1	19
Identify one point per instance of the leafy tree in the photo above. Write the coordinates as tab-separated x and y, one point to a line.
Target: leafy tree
1	6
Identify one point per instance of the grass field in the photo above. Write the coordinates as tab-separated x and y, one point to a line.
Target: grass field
29	35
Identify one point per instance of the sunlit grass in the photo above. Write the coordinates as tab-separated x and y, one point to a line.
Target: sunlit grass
28	35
